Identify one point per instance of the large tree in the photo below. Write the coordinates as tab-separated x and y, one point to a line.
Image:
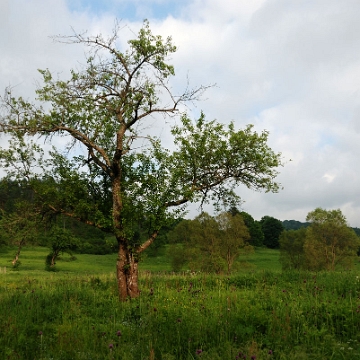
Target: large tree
113	172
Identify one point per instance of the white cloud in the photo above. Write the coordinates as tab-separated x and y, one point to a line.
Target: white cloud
292	68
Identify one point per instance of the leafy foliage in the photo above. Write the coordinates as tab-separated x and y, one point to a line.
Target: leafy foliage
211	244
255	230
19	227
272	228
120	174
292	249
294	224
329	241
62	241
325	245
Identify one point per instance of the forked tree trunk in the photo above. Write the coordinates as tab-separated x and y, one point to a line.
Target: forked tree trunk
16	258
127	274
127	268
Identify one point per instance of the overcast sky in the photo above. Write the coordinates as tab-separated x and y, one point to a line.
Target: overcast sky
290	67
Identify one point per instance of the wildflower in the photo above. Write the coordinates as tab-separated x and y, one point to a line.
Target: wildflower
118	333
179	320
111	346
198	351
40	333
253	357
270	352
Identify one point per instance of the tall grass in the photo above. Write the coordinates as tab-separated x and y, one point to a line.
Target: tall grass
258	314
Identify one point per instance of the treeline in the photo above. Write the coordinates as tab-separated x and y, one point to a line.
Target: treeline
27	218
209	243
23	222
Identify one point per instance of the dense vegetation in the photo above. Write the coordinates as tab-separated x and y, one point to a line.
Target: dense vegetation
121	174
327	243
258	312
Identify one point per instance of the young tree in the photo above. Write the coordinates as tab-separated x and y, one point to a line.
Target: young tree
329	241
61	241
19	227
124	175
292	249
234	237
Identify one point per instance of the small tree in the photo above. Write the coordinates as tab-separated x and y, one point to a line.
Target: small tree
62	241
20	227
234	238
120	173
329	241
292	249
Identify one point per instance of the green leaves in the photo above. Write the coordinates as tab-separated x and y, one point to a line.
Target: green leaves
211	244
212	159
106	169
326	244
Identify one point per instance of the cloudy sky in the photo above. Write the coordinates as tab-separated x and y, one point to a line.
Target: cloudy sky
290	67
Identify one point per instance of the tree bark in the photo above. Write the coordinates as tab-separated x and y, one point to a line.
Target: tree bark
127	272
16	258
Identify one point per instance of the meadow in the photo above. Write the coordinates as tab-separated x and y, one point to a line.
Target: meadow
256	313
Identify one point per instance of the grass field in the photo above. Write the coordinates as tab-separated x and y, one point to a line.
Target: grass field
257	313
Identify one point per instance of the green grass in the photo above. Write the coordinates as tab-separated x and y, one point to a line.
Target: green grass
259	312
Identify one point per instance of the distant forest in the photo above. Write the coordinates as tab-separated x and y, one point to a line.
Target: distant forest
13	210
295	225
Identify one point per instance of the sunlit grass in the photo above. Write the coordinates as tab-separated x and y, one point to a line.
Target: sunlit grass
265	314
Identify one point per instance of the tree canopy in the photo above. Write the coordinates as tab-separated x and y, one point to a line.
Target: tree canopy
113	172
208	243
272	228
329	240
324	245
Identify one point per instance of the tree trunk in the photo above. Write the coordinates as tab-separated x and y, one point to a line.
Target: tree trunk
16	258
54	256
127	273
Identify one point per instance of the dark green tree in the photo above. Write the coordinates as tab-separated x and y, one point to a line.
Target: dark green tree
120	174
255	230
61	241
272	228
